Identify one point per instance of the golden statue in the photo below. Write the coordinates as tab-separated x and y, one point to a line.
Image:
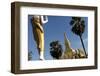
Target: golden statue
38	33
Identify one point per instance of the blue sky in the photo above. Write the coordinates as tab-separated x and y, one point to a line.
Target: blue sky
54	30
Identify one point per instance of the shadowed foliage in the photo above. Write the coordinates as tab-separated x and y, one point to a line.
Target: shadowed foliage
30	55
56	49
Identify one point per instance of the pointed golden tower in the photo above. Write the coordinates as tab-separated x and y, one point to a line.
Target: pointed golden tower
68	54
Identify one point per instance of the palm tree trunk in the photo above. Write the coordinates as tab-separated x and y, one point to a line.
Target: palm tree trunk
83	45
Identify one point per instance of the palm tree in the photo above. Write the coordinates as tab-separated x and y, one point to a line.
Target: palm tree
78	27
56	49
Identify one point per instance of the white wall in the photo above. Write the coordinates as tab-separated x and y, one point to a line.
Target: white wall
5	42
